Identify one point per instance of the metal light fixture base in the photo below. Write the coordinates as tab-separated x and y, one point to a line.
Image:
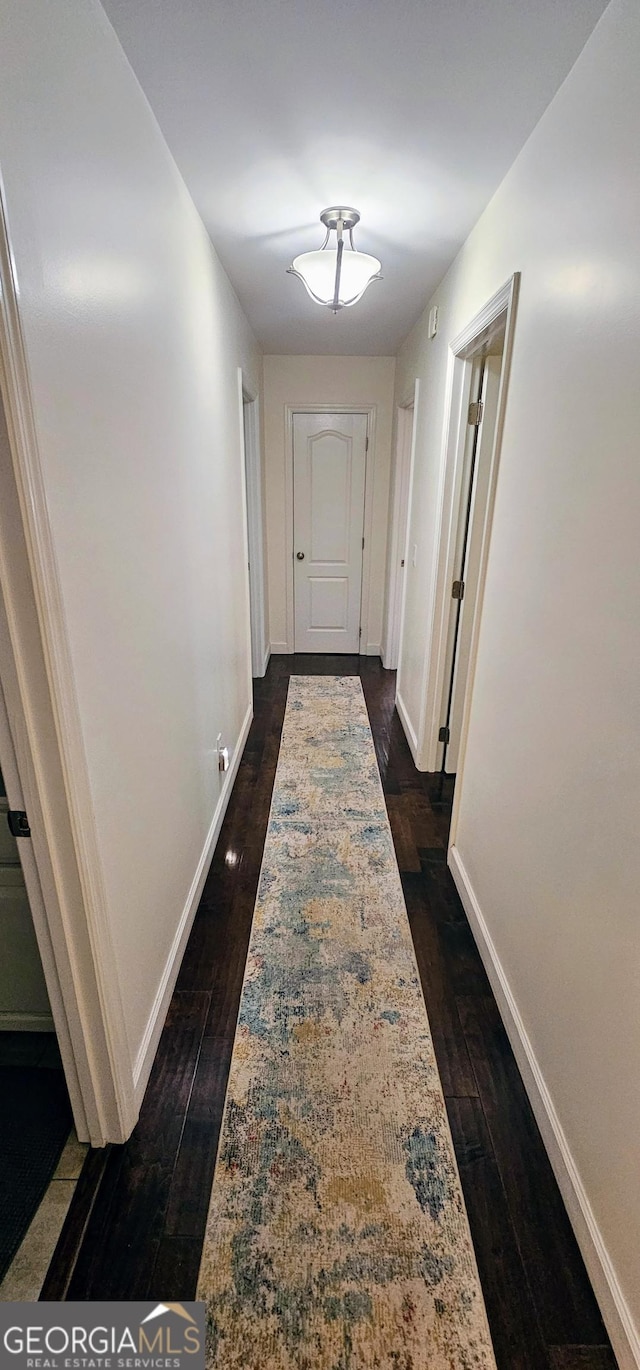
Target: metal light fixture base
332	217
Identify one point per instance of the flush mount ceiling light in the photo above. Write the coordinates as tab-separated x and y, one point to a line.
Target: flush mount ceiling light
336	275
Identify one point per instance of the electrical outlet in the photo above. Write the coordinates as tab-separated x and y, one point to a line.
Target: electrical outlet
223	754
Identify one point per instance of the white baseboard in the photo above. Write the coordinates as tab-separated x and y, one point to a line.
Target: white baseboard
26	1022
624	1334
149	1045
406	723
280	649
372	649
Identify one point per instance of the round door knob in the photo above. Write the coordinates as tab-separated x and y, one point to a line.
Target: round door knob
300	556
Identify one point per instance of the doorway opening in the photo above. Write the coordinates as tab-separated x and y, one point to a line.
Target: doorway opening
479	365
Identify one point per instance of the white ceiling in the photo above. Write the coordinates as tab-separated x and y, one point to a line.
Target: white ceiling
410	110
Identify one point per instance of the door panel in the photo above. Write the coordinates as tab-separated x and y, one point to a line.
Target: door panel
330	473
329	465
471	570
473	506
329	603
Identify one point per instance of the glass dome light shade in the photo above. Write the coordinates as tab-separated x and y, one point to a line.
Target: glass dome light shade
317	271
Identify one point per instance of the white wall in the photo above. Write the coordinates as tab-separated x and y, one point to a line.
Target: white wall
547	849
322	381
133	338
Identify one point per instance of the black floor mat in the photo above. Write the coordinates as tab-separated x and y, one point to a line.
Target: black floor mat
35	1121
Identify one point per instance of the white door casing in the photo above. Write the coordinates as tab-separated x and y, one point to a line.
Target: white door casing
329	469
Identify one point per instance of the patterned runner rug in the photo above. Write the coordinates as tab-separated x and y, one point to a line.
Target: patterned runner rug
337	1237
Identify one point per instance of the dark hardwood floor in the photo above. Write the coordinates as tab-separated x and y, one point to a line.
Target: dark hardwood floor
136	1227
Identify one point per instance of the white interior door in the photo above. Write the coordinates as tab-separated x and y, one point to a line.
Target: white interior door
329	466
475	501
255	534
397	555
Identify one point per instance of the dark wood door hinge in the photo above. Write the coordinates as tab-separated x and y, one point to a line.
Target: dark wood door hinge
457	589
444	735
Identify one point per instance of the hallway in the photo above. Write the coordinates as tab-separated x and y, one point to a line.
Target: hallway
137	1223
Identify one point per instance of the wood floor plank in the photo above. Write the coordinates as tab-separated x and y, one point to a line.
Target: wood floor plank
217	947
58	1277
119	1263
566	1305
86	1273
511	1310
175	1275
454	1065
582	1358
118	1254
195	1163
443	895
468	976
403	836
